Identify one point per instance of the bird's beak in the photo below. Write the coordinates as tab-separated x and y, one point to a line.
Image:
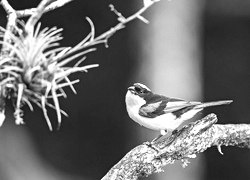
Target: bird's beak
132	89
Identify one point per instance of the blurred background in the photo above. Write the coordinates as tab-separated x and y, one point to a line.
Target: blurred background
196	50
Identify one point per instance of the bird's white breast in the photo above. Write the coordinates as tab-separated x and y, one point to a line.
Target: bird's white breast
164	122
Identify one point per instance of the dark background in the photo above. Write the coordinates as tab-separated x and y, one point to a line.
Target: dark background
226	44
97	133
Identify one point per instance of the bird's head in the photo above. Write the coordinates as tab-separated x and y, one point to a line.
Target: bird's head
137	93
139	89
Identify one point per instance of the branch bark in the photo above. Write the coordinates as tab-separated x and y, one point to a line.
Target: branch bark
192	139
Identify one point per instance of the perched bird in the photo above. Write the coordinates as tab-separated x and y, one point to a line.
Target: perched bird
161	113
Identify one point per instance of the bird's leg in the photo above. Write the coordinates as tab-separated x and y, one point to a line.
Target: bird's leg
152	143
174	131
163	133
152	146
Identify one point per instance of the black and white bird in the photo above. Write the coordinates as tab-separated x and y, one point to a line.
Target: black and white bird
161	113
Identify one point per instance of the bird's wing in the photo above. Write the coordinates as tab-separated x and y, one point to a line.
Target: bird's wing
152	110
154	107
173	106
162	105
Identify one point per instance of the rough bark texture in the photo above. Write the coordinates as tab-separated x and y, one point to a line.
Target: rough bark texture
194	138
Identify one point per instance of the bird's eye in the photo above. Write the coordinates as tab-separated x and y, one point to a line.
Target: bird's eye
138	90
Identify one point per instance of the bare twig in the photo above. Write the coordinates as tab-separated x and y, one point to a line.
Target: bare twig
7	7
192	139
103	38
51	7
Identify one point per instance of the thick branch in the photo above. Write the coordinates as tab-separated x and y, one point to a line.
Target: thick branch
194	138
232	135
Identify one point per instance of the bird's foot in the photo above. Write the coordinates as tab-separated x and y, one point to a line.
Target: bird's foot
152	146
174	131
157	138
163	133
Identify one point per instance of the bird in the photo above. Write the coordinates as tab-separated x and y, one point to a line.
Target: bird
161	113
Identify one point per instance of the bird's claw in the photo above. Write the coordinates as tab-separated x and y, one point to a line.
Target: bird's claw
152	146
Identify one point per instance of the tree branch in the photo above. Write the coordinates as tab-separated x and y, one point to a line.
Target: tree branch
11	14
192	139
103	38
6	6
51	7
30	25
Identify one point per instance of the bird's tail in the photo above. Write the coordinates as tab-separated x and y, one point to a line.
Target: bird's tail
214	103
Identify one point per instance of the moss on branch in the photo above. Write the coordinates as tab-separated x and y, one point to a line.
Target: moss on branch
184	144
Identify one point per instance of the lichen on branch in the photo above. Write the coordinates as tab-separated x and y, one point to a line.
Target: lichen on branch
182	145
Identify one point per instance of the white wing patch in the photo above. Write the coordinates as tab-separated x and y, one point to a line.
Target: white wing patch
176	105
151	107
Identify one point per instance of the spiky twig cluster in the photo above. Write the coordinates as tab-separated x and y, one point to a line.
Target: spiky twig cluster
34	69
33	65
